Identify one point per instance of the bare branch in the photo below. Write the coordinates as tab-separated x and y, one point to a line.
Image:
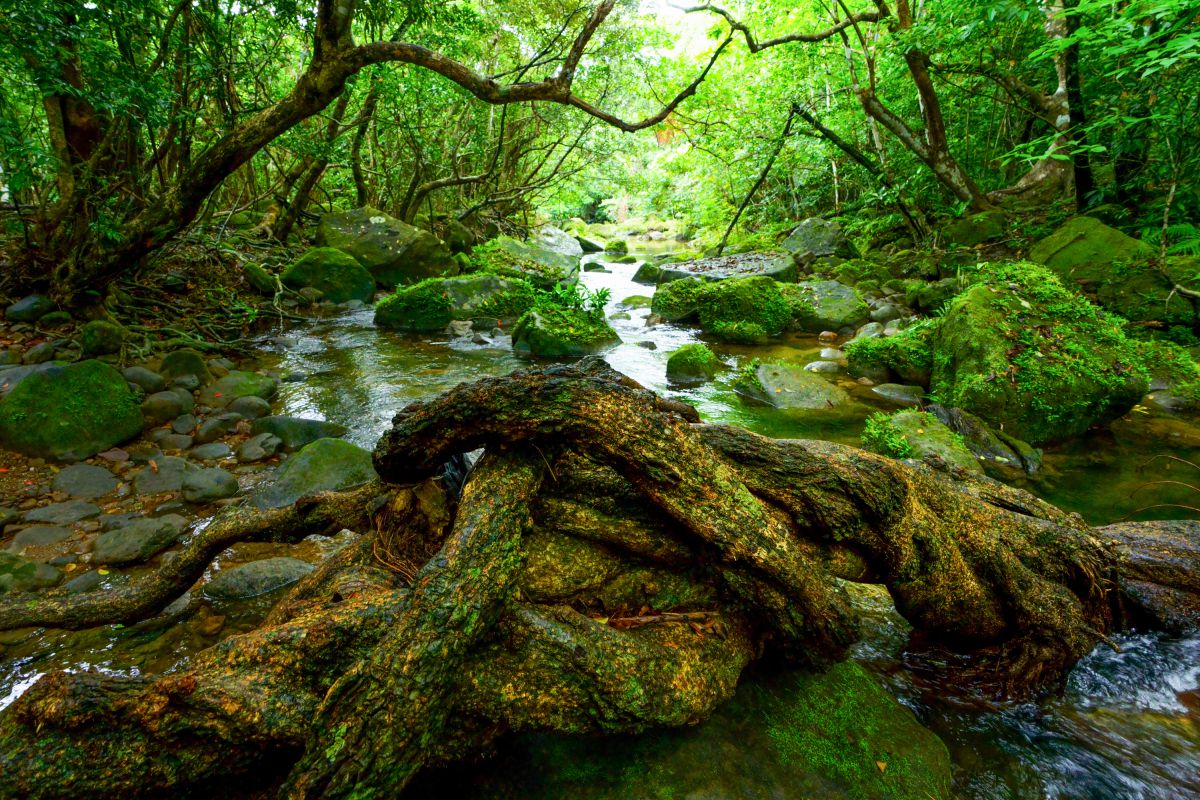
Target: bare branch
755	46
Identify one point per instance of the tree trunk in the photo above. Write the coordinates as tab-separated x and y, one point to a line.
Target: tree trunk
564	591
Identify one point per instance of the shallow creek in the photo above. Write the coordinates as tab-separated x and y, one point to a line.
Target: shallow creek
1127	726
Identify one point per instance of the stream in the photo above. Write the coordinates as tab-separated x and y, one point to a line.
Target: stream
1127	726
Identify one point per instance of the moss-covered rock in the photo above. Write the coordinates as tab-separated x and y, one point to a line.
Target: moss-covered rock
101	337
677	301
1032	357
434	303
393	252
975	229
1084	247
919	435
617	247
562	333
336	274
178	363
907	356
509	258
29	309
789	386
743	310
824	306
692	363
20	574
238	384
817	238
259	279
69	413
324	465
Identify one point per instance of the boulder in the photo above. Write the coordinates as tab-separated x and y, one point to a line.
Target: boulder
29	309
235	385
20	574
997	451
68	413
975	229
101	337
40	353
394	252
259	279
558	241
64	513
256	578
542	268
691	364
163	407
207	484
294	433
789	386
589	245
185	362
433	304
146	380
742	310
817	238
918	435
138	540
562	333
779	266
250	407
85	481
1032	358
1085	248
324	465
258	448
825	306
160	475
336	274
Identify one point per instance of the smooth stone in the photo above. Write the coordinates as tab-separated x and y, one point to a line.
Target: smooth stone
296	432
87	582
250	407
8	516
832	354
85	481
900	394
148	380
215	427
206	485
63	513
259	447
185	362
139	540
886	313
110	522
29	309
211	451
163	406
647	345
188	382
184	423
828	367
40	536
324	465
174	442
256	578
166	475
39	353
237	384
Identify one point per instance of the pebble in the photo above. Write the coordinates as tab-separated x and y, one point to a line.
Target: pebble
250	407
148	380
211	451
184	423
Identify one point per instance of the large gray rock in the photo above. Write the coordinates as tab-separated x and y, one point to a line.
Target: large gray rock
29	309
558	240
85	481
259	447
336	274
147	380
235	385
529	261
324	465
394	252
825	306
816	238
139	540
208	484
295	432
256	578
790	386
160	475
63	513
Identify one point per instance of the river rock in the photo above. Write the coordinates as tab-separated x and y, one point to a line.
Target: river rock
20	574
739	310
975	229
789	386
87	582
996	450
139	540
825	305
208	484
39	353
217	426
295	432
29	309
509	258
211	451
85	481
816	238
163	406
324	465
40	536
562	333
558	241
900	394
238	384
173	442
336	274
919	435
184	423
63	513
101	337
394	252
185	362
433	304
148	380
250	407
824	367
259	279
69	413
692	363
256	578
160	475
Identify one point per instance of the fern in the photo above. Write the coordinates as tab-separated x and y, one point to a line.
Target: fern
1183	238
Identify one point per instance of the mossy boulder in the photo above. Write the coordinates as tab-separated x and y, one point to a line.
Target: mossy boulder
101	337
434	303
256	578
541	267
1032	357
692	363
558	241
20	574
1084	248
743	310
69	413
907	356
178	363
779	266
324	465
238	384
259	279
616	247
824	306
336	274
394	252
975	229
918	435
29	309
817	238
562	333
789	386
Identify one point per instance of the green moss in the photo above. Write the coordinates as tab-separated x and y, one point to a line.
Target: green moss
743	310
337	275
857	271
617	247
562	333
422	307
1167	361
908	354
509	258
692	363
101	337
917	434
883	437
678	300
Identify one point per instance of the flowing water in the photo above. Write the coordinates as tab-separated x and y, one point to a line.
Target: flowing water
1128	725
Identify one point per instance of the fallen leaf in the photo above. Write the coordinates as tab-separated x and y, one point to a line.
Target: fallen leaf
102	571
882	765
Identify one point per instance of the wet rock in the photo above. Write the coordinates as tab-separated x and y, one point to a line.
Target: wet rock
393	252
185	362
206	485
562	333
815	238
336	274
886	313
162	407
39	353
259	279
211	451
148	380
692	364
789	386
187	383
256	578
217	426
295	432
324	465
824	367
10	357
87	582
141	539
647	345
994	448
110	522
919	435
832	354
235	385
184	423
63	513
259	447
531	262
900	394
29	309
433	304
101	337
160	475
40	536
8	516
85	481
589	245
825	305
250	407
558	241
173	442
20	574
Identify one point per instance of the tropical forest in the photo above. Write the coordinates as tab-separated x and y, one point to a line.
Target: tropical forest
600	399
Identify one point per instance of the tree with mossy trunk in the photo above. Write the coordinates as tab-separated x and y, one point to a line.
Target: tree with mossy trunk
608	565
